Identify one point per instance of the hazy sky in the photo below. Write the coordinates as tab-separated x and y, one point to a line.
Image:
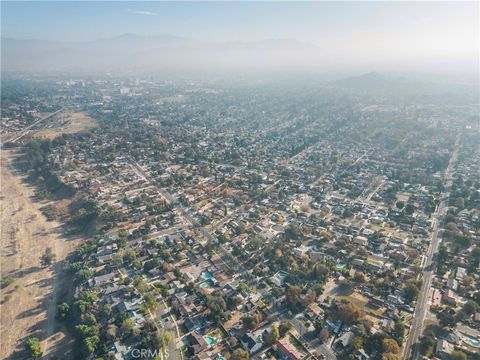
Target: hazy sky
446	31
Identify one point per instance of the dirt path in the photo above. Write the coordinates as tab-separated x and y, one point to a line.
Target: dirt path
28	304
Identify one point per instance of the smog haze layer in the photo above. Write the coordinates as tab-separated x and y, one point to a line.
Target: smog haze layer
319	37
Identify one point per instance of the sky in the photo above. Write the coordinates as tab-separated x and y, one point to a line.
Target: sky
446	31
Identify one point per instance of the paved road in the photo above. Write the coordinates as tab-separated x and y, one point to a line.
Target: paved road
163	314
411	349
23	132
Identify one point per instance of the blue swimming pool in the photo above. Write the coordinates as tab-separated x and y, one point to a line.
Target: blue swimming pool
210	340
208	275
205	284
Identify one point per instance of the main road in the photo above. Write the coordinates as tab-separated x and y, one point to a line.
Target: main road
411	349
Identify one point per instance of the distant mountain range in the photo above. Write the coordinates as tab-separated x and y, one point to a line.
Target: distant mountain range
156	52
131	53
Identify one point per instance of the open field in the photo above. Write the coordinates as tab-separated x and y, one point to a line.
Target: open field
360	301
28	304
67	123
355	299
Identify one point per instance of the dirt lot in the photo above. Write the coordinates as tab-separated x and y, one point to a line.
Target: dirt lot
28	304
66	123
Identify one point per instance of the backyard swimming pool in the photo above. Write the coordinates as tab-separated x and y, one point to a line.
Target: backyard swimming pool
210	340
472	343
208	275
205	284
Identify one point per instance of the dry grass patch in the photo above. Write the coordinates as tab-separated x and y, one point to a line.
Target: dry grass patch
360	301
68	123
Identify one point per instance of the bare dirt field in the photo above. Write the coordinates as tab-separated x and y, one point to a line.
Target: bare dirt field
28	304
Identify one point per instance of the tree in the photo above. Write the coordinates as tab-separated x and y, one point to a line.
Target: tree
476	253
62	311
294	232
275	331
470	307
85	301
460	316
285	327
359	277
458	355
233	302
293	298
34	348
399	331
409	209
127	327
83	275
411	292
91	343
150	303
426	345
48	257
349	313
140	284
84	331
240	354
250	322
347	213
122	238
374	342
460	202
463	241
390	346
325	235
357	343
442	254
446	318
130	256
468	282
241	228
166	339
273	336
107	310
309	297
